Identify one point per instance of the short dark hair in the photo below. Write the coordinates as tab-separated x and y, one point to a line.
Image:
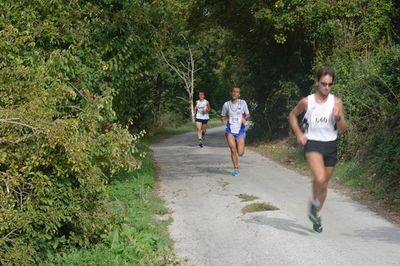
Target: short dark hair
201	92
235	87
323	72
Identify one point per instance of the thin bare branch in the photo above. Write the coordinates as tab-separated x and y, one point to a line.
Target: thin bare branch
7	187
79	92
186	73
187	68
12	121
74	107
177	71
6	237
6	141
198	69
183	99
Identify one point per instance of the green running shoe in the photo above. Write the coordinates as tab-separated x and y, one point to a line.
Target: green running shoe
317	227
312	212
314	217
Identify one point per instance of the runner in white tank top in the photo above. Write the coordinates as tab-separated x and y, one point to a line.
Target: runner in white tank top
321	123
202	109
324	117
237	115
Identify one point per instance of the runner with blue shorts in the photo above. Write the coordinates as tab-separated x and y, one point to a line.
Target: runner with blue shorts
237	114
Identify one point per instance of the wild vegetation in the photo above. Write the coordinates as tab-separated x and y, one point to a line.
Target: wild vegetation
82	81
280	44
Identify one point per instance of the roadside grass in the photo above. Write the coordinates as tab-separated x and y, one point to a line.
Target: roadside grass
282	151
353	175
353	178
137	236
258	207
172	131
246	197
350	174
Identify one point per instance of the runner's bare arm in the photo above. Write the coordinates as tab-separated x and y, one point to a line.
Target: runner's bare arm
246	118
223	119
294	124
224	113
208	106
338	113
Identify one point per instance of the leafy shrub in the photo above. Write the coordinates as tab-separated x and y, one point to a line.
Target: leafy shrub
59	147
370	89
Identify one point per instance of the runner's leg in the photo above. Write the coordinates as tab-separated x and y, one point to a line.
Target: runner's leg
232	146
240	144
203	129
198	128
319	187
199	135
320	181
328	173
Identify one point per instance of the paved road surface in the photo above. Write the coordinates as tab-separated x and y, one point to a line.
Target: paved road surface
209	228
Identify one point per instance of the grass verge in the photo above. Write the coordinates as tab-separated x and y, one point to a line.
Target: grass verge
169	132
258	207
283	152
137	238
353	179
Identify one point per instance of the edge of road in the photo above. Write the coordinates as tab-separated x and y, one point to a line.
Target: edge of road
359	195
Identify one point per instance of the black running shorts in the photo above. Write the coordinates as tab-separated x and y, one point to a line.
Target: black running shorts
203	121
328	149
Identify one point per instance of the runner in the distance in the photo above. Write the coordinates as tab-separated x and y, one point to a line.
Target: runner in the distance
237	114
323	119
202	117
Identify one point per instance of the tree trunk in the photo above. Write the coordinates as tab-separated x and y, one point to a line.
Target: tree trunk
186	74
192	111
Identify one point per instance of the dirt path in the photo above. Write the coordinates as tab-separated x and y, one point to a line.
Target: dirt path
209	228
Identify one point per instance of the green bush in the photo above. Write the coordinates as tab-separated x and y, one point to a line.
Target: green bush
370	88
69	70
59	147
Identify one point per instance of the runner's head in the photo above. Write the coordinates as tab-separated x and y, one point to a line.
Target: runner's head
324	81
202	95
235	93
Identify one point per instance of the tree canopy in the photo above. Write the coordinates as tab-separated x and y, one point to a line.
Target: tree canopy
81	80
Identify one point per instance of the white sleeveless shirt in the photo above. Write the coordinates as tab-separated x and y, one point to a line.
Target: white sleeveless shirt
321	124
235	113
201	107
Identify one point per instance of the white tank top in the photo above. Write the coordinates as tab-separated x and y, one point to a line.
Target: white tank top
202	110
321	124
235	116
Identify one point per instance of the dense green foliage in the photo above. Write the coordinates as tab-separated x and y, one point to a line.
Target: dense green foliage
371	92
280	44
135	238
59	143
80	80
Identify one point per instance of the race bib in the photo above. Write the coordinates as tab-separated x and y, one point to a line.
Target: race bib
235	121
202	107
319	121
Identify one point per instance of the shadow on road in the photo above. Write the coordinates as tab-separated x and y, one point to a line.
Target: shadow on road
385	234
216	140
280	224
213	170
